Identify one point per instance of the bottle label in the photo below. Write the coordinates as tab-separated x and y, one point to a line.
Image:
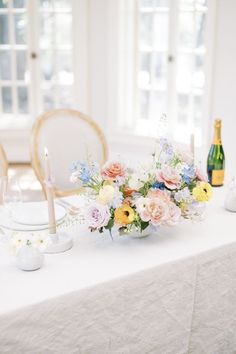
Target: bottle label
218	177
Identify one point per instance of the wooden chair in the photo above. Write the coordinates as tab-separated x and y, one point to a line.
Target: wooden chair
69	136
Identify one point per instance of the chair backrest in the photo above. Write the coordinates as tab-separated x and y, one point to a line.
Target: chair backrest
69	136
3	162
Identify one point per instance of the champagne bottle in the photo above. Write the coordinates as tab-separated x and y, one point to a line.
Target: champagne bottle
216	158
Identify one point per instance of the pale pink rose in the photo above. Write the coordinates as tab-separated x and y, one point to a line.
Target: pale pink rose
185	155
160	194
201	176
97	215
156	211
174	214
113	170
169	176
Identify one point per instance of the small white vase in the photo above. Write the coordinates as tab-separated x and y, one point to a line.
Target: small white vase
29	258
230	200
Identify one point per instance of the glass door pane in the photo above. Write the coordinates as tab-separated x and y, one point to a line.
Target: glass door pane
190	73
14	65
153	43
56	53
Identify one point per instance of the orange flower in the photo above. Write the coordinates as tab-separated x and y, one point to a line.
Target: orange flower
127	201
124	214
128	191
113	170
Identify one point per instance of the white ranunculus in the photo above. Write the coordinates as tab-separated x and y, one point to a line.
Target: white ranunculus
106	194
135	182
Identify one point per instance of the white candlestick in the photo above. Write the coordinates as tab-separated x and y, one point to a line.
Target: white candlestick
192	145
49	194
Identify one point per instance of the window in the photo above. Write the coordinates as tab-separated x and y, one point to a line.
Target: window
56	53
167	66
14	73
37	59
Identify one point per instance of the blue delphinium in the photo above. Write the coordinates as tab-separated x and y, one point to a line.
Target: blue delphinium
74	166
85	175
84	171
188	173
158	185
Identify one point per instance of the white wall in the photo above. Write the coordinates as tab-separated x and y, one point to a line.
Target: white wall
224	77
97	61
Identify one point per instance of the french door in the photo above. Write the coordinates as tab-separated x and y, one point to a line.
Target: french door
168	66
37	59
172	61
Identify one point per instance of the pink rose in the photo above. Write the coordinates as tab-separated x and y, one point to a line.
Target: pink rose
155	210
185	155
169	176
160	194
174	214
97	215
113	170
201	176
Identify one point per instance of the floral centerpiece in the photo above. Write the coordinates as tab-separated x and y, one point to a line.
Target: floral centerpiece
171	188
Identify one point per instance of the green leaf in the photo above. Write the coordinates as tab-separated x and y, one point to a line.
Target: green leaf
144	225
110	225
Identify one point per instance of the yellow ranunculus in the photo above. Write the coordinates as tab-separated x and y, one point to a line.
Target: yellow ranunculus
202	192
124	214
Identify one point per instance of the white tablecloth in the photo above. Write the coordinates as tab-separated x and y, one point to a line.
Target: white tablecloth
174	292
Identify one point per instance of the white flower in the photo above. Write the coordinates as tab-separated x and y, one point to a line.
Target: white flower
117	200
120	180
183	195
195	211
106	194
40	241
17	241
141	204
74	178
135	182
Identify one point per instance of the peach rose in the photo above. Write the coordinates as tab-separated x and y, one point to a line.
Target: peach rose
113	170
128	191
155	210
160	194
169	176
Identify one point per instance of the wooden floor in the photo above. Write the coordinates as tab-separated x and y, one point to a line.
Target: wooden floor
29	185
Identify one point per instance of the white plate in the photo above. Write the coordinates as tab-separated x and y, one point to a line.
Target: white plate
9	225
35	214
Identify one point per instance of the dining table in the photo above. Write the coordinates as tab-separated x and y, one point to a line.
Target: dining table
173	292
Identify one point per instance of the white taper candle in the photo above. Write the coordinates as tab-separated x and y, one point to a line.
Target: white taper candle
49	194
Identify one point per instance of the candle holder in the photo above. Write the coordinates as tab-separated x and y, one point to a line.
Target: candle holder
60	242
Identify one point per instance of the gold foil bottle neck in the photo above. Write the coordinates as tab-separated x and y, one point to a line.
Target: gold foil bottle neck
218	122
217	134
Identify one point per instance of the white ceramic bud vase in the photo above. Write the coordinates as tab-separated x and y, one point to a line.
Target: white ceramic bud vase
29	258
230	200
